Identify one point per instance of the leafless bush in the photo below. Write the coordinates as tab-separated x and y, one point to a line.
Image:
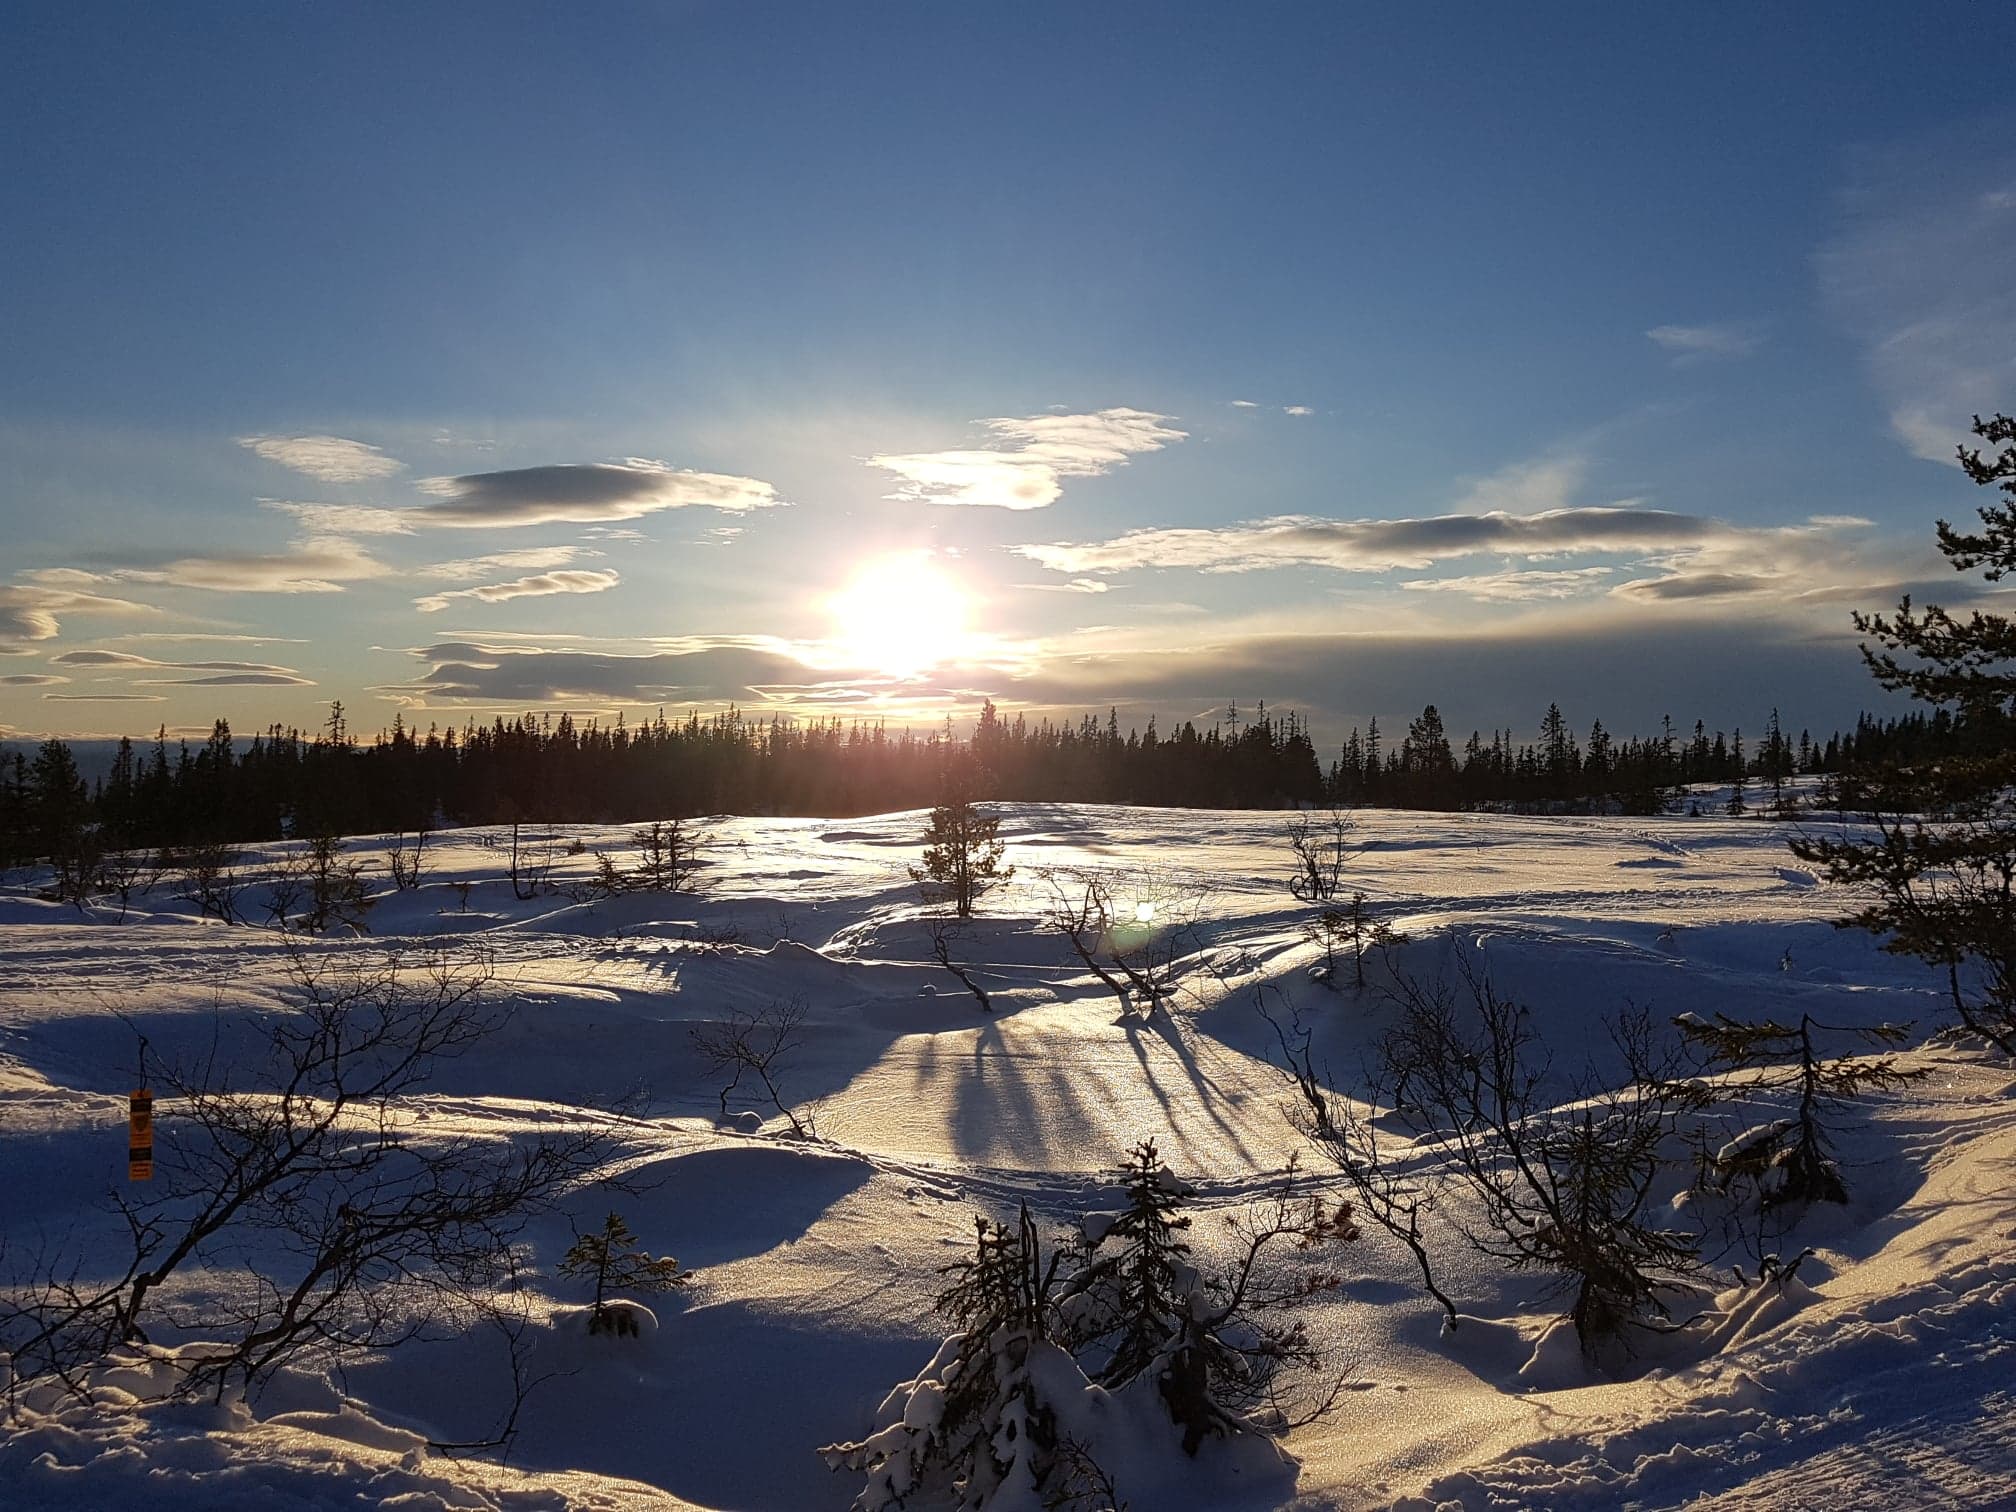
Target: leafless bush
126	873
1321	844
1562	1190
1131	930
76	868
318	888
403	862
347	1227
756	1046
941	952
1385	1191
531	872
210	879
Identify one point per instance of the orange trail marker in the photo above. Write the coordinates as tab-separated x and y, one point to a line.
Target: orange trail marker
140	1136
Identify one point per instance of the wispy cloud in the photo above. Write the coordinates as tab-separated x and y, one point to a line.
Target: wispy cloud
96	658
1921	275
104	698
586	493
1076	585
1297	409
1535	486
1702	343
530	559
213	674
318	564
329	458
1515	586
229	680
579	580
1245	404
1376	545
1030	458
346	519
206	635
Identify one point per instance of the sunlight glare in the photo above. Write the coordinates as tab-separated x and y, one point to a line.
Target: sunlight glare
901	615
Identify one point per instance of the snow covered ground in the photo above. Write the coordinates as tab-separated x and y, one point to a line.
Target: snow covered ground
1882	1377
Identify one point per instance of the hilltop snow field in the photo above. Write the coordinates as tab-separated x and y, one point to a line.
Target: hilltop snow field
1883	1375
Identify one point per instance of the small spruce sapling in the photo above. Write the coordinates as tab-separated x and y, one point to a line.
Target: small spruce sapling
1216	1346
1789	1159
962	854
611	1256
1349	927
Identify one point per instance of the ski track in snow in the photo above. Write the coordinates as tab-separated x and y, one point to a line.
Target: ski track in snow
1888	1384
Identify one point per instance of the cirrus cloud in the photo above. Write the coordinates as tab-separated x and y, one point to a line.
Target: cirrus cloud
318	564
1919	274
529	559
1702	343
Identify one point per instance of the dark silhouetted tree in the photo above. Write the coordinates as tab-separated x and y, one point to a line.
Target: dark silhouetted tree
1942	859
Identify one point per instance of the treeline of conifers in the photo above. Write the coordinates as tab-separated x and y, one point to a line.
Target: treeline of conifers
558	770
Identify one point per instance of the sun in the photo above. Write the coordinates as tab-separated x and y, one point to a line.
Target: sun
900	615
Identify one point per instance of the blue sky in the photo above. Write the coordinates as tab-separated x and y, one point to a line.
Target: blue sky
875	359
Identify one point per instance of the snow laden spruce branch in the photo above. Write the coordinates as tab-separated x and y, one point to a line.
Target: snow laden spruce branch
1109	1353
303	1216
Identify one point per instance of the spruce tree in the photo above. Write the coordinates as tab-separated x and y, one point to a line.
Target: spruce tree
1942	859
962	852
1138	1273
977	1423
1789	1159
612	1257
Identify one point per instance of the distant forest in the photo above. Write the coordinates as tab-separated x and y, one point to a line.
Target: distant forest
555	770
